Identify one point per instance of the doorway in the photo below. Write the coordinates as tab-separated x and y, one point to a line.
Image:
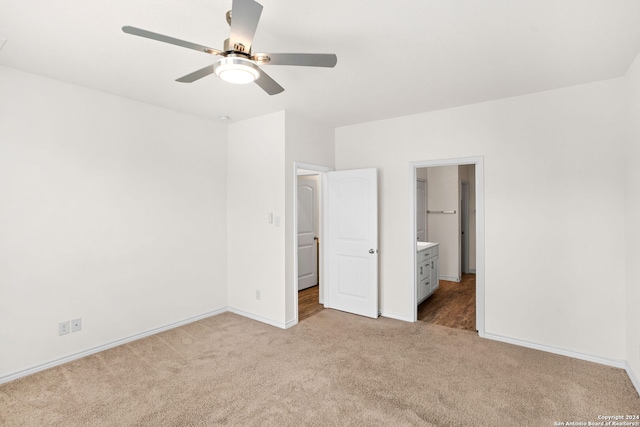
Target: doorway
308	250
309	287
348	238
308	220
474	247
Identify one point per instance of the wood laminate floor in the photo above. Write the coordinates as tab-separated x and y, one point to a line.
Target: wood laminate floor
308	304
453	304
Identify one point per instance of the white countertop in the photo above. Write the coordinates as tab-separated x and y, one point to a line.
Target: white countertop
420	246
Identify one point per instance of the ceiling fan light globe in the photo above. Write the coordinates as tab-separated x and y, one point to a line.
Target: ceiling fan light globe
237	76
236	70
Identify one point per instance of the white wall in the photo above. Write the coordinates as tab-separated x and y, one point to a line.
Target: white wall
443	195
261	179
554	224
256	248
110	210
632	213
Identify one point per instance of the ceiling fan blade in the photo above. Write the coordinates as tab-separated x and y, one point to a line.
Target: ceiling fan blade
171	40
268	84
302	59
245	15
196	75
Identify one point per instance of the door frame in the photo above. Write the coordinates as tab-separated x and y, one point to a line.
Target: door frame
321	170
426	208
480	231
464	226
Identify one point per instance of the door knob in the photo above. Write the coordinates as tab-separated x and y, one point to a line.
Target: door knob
371	251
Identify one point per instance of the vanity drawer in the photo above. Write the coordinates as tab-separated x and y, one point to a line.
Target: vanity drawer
425	254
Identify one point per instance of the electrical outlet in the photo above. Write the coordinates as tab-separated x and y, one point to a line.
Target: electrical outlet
258	295
63	328
76	325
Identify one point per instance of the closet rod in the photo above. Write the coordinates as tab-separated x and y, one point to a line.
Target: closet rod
442	212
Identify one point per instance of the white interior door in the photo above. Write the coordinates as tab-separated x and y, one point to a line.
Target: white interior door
307	231
351	247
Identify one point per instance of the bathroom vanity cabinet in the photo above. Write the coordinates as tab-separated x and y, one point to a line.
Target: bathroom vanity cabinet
427	270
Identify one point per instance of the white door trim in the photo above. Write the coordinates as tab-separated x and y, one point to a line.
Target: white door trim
480	236
321	171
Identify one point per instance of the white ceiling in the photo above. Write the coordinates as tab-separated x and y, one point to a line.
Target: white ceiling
394	57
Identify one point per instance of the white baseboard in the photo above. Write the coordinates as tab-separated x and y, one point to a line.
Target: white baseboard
290	324
589	358
449	278
262	319
396	316
632	377
81	354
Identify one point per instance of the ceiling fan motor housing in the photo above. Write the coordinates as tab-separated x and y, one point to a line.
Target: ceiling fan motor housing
236	48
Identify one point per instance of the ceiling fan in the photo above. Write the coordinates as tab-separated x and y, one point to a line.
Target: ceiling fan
238	64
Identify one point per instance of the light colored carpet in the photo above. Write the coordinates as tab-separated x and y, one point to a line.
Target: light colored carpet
332	369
